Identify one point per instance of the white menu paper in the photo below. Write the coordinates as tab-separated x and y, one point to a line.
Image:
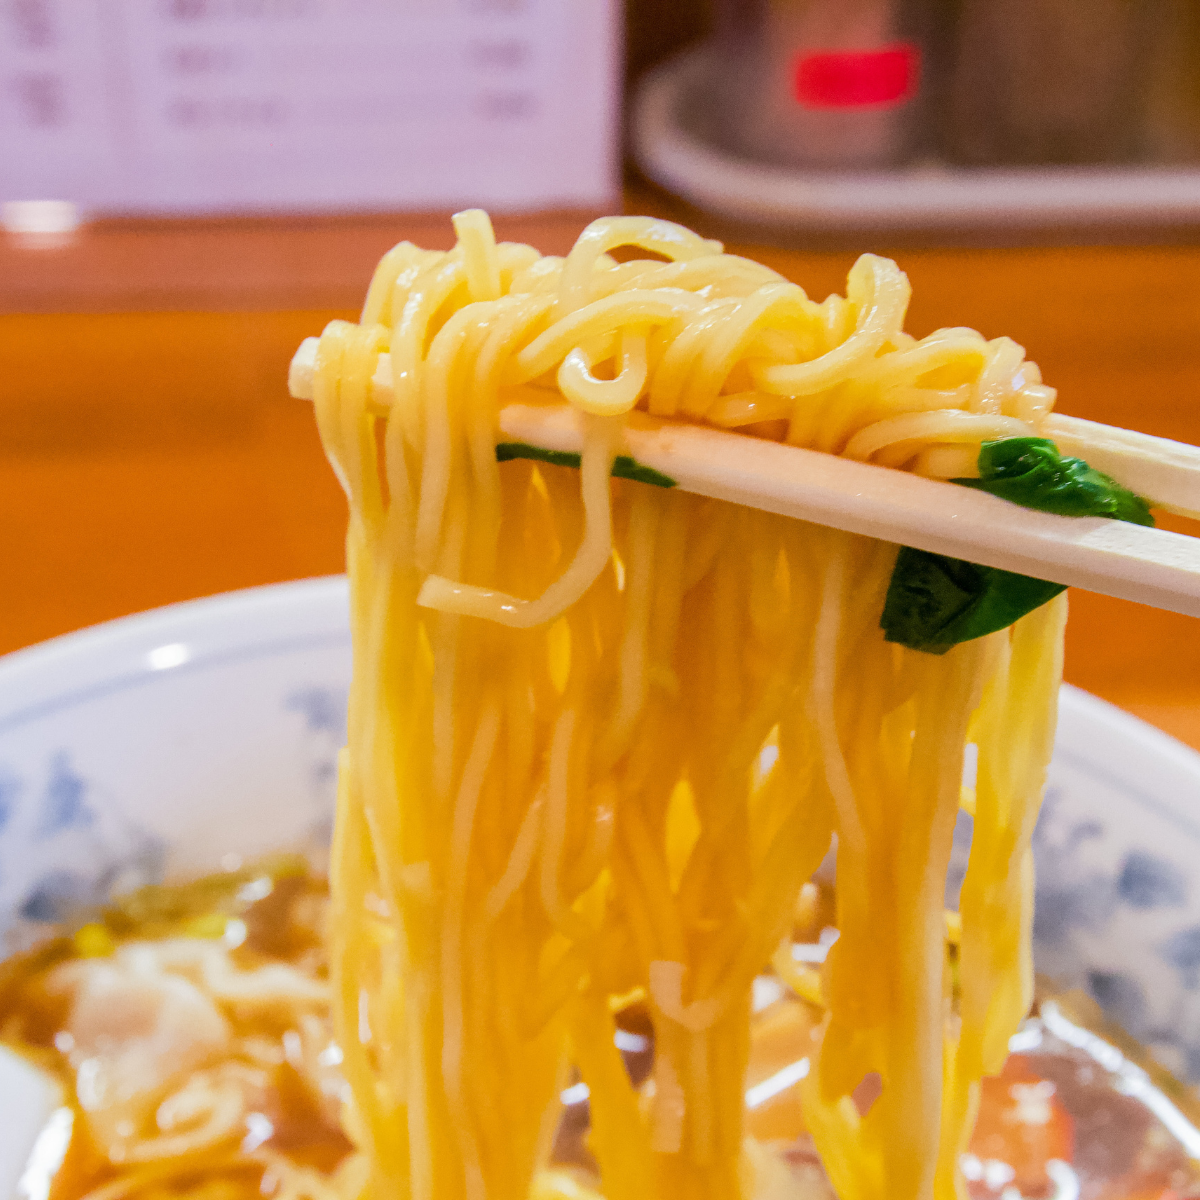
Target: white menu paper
226	106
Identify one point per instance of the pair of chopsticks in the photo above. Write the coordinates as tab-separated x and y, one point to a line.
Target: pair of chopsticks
1133	562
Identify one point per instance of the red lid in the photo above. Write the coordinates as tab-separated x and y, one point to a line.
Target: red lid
857	78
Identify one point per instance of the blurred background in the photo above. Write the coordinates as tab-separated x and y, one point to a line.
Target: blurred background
190	187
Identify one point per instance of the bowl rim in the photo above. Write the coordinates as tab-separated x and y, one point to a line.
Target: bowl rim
88	663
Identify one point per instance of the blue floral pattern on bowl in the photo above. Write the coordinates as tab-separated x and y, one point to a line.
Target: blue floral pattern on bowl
167	744
77	850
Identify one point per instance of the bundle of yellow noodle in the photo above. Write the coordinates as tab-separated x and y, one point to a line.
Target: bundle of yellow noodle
602	732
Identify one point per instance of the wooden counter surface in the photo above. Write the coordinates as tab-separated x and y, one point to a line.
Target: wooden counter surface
149	452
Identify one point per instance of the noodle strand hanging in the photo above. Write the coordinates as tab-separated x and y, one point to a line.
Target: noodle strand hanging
602	733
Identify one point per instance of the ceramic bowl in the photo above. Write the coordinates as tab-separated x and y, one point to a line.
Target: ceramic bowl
197	736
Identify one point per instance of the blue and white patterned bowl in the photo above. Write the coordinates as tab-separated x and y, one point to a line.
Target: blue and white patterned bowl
168	744
196	736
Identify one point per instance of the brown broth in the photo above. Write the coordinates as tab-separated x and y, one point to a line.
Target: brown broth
275	914
1053	1103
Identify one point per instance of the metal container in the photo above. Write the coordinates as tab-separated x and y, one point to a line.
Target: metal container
1172	120
817	83
1047	81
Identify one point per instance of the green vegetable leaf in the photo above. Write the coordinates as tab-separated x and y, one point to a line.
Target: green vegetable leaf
629	468
934	602
624	466
560	458
1030	471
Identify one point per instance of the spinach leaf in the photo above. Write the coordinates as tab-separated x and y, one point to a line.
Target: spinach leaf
624	466
934	602
560	458
1030	471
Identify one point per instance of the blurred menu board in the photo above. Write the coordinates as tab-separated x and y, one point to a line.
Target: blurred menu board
192	106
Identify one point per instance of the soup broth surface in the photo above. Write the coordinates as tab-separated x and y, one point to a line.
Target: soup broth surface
189	1028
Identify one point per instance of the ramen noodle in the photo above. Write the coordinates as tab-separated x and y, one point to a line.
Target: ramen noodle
601	732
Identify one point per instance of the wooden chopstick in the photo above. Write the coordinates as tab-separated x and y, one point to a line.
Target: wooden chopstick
1164	472
1134	562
